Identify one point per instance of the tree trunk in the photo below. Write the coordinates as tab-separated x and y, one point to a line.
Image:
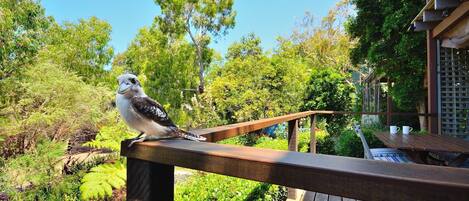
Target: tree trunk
422	119
200	63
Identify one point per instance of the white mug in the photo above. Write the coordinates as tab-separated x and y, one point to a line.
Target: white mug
406	130
393	129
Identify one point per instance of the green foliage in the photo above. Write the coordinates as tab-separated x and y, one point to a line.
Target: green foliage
81	47
385	44
55	103
282	144
325	143
33	170
99	182
215	17
201	113
349	144
219	187
269	143
372	140
166	67
252	86
329	90
198	19
22	26
112	134
233	141
66	189
326	45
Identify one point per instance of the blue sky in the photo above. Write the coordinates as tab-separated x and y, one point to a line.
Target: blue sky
268	19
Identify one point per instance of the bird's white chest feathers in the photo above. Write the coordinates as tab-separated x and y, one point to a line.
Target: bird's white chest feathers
137	121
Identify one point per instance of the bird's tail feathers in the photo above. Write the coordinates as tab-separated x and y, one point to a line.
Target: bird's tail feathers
190	136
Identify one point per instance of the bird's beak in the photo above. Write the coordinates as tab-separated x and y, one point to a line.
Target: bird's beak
123	88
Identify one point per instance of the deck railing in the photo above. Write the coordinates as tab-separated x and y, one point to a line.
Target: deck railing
150	166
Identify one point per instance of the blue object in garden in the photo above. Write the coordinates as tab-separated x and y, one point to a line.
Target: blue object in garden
270	131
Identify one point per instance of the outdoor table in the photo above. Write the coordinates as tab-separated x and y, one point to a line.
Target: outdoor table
419	145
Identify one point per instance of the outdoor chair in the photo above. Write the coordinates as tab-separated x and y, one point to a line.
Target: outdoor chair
383	154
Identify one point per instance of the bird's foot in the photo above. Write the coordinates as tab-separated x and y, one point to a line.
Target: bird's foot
138	137
149	138
135	140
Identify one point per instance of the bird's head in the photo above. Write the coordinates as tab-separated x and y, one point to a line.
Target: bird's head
129	85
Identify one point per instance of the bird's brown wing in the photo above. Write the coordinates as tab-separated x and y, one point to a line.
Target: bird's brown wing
151	110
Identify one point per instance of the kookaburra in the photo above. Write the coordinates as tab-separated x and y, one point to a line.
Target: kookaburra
144	114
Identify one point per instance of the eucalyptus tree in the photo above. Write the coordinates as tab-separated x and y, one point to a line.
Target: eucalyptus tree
199	19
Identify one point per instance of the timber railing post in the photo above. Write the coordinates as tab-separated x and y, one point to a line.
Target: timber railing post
292	146
293	135
149	181
312	144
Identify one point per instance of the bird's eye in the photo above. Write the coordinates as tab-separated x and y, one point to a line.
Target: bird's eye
133	81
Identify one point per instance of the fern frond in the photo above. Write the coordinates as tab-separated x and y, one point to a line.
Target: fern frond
99	182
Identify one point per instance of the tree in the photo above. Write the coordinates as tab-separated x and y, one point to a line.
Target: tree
55	104
252	85
165	65
22	26
328	89
199	19
385	44
326	45
82	47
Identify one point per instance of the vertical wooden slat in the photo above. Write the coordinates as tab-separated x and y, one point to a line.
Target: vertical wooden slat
149	181
293	135
292	146
388	105
312	144
432	81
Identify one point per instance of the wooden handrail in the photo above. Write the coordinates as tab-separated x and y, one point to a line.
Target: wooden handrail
344	176
216	134
150	166
374	113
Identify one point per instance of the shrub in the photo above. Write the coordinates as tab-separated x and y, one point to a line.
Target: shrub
282	144
269	143
35	170
233	141
54	104
349	144
324	143
329	90
67	189
218	187
373	141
